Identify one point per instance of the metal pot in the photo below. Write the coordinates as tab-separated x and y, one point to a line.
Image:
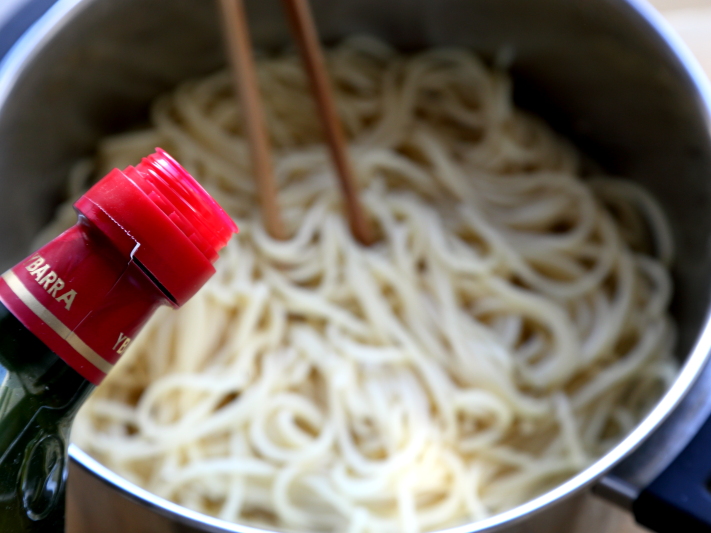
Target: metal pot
606	73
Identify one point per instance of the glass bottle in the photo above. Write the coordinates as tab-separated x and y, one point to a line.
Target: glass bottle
146	236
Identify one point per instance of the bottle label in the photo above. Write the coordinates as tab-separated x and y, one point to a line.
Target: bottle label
82	298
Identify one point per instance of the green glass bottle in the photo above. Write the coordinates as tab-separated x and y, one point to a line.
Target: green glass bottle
39	396
146	236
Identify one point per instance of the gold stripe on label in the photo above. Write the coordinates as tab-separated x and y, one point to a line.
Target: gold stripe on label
53	322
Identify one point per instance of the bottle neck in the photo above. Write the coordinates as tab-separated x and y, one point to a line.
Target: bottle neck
39	396
83	298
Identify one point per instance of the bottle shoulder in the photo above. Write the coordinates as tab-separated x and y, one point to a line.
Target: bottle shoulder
30	369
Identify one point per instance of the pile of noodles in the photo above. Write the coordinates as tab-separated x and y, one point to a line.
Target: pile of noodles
509	326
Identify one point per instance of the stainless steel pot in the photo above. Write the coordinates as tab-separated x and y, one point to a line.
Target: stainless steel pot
607	73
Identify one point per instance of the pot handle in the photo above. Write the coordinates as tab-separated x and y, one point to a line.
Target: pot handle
679	498
665	481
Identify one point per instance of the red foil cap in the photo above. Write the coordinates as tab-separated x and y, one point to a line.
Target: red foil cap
148	237
158	214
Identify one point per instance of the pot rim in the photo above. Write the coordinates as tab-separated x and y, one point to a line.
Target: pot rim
61	14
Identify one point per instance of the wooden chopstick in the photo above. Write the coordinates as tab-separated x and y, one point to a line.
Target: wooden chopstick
245	79
304	30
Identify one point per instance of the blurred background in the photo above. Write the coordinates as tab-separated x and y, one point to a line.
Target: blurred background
7	8
692	20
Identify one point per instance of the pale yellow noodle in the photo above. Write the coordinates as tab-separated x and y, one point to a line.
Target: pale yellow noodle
504	332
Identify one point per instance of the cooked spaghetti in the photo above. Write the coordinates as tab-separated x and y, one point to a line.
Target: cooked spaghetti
509	326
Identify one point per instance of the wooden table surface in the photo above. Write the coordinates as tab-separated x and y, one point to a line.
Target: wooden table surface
692	20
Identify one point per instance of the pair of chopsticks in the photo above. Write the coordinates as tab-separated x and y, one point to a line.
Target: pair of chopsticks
243	69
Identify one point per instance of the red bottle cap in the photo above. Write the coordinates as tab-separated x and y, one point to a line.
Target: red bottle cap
158	214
